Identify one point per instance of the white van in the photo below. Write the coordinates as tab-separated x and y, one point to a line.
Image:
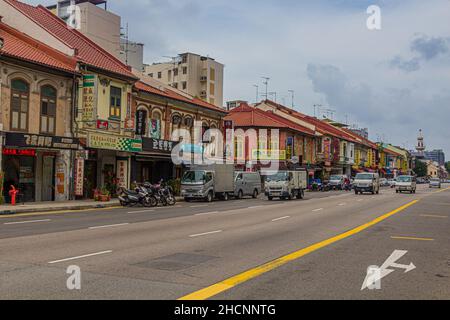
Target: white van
247	184
406	183
367	182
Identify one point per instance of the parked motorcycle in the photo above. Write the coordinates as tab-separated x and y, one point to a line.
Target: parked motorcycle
139	196
164	194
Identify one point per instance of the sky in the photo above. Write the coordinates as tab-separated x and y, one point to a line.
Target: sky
393	81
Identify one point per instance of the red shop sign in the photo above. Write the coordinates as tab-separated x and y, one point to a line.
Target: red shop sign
19	152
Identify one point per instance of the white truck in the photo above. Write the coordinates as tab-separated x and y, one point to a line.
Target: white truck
286	185
207	182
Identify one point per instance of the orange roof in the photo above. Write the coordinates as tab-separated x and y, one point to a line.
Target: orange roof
140	85
247	116
87	51
21	46
321	126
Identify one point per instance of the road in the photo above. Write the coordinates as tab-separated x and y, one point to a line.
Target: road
318	248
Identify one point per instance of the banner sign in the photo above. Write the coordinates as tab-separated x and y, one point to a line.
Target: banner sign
22	140
129	119
122	173
141	117
289	147
155	129
158	145
79	177
263	154
89	108
110	142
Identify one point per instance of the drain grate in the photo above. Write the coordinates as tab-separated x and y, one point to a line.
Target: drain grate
175	262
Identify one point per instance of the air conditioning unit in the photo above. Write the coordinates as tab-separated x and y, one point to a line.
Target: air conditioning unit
203	78
203	94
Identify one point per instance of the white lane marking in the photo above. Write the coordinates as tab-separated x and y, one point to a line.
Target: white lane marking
254	207
282	218
142	211
199	206
205	233
342	204
433	216
360	200
81	257
207	213
316	210
109	226
29	221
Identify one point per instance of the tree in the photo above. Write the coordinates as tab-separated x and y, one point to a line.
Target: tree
447	166
421	168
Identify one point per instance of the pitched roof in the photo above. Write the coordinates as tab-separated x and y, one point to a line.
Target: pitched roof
162	91
247	116
321	126
87	51
21	46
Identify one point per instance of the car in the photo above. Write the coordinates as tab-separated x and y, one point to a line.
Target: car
405	183
384	182
435	183
367	182
391	183
337	182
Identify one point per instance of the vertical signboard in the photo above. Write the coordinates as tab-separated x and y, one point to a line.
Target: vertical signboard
131	110
141	117
79	176
89	108
289	147
122	173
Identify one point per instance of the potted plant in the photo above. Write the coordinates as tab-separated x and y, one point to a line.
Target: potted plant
105	195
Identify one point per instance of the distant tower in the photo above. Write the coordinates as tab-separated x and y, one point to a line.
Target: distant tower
420	144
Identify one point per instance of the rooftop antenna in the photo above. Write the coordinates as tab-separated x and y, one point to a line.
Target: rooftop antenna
273	94
125	36
257	92
266	83
292	92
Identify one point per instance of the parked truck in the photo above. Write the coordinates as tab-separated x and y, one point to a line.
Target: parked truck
208	182
286	185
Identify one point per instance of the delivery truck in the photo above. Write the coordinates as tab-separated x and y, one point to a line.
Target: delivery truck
208	182
286	185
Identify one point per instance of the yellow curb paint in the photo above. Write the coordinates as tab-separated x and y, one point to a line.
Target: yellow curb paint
229	283
31	214
412	238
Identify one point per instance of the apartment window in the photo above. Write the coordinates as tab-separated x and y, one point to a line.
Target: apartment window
159	75
48	109
212	74
184	85
184	59
212	89
150	75
20	97
175	85
185	70
169	75
116	102
175	72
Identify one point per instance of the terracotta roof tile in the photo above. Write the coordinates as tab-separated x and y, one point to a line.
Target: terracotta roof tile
21	46
87	51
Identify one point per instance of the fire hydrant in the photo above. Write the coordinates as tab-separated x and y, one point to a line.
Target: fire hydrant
13	194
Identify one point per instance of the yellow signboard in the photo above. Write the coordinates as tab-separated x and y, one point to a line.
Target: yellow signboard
264	154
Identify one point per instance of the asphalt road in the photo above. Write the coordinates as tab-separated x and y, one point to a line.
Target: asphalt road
214	250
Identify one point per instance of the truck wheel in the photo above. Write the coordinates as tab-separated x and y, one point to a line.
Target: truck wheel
300	194
209	197
356	191
270	198
255	194
187	199
225	196
240	195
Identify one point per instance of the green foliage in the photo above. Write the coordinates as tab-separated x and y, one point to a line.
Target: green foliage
175	184
420	169
447	166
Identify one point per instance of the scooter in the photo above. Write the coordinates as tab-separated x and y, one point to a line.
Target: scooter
140	196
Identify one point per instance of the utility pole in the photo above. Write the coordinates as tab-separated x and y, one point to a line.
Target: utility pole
257	92
266	83
292	92
273	94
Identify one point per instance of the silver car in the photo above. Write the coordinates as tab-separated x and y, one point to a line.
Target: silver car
435	183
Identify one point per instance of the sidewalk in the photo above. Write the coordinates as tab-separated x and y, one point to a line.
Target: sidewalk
7	209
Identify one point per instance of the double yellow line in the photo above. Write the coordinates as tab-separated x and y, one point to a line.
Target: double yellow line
229	283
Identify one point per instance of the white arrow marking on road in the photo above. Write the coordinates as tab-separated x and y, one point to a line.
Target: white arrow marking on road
389	263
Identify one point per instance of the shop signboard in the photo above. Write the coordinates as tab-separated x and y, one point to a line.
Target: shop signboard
141	116
110	142
24	140
89	107
289	147
129	119
158	145
79	176
122	173
263	154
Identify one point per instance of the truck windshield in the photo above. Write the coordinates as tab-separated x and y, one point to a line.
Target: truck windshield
404	179
193	177
280	176
364	176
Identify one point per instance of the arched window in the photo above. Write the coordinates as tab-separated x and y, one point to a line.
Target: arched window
176	123
20	100
48	109
155	125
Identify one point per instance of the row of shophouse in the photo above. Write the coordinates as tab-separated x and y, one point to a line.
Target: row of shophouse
73	118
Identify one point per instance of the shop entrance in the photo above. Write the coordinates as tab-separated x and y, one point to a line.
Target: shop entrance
20	173
90	178
48	178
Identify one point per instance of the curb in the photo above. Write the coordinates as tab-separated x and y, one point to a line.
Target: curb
69	208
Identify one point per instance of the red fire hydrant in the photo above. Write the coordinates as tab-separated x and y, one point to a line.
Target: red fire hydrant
13	194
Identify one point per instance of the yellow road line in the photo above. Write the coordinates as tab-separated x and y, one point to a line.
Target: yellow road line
442	190
433	216
229	283
412	238
30	214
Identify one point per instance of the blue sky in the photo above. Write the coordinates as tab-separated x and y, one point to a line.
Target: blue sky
394	81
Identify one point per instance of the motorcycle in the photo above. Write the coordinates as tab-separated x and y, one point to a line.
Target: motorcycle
139	196
163	194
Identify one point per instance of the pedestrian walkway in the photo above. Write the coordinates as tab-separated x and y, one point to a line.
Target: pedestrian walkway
56	206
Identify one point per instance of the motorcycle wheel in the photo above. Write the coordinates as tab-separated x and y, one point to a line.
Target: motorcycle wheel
171	200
